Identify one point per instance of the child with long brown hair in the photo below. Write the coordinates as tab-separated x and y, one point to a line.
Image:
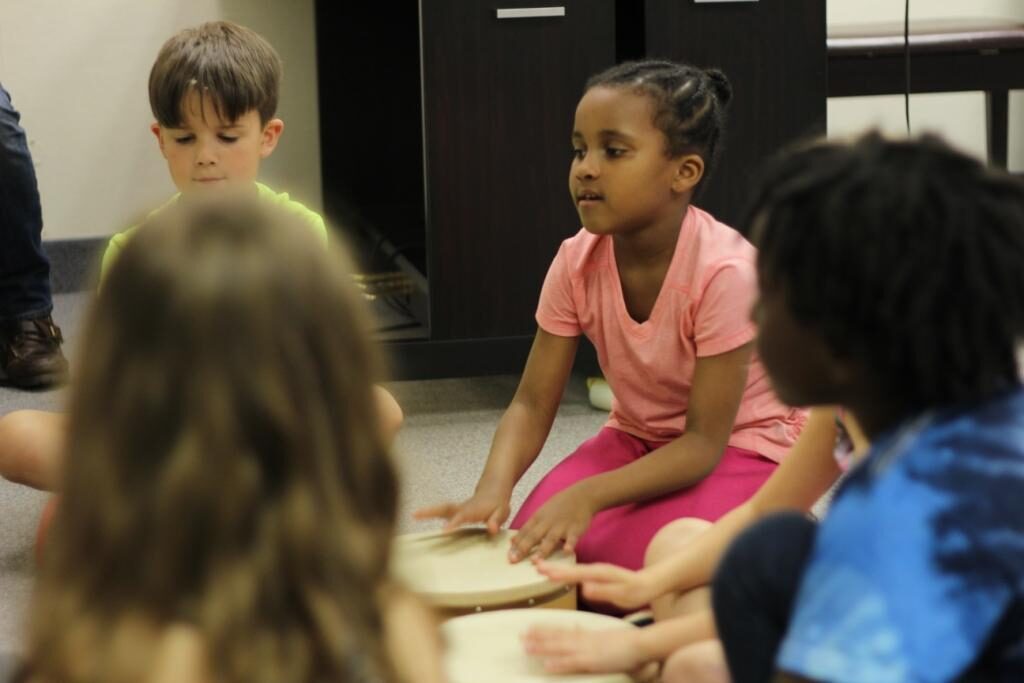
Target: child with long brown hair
228	498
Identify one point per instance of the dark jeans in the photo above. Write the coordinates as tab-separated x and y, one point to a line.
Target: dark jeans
754	589
24	267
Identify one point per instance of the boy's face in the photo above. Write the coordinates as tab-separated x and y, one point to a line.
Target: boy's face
803	369
209	153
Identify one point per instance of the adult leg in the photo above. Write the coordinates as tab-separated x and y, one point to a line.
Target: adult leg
30	353
754	589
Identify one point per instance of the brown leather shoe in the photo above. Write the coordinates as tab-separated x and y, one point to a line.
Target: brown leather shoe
30	356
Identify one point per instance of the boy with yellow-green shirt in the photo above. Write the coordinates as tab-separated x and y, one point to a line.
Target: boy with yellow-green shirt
213	90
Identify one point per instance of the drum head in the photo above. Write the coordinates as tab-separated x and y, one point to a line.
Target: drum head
468	568
487	646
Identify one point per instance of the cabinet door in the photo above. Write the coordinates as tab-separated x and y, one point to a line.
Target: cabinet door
773	51
499	96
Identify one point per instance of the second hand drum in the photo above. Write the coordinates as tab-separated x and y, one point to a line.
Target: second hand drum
467	571
487	648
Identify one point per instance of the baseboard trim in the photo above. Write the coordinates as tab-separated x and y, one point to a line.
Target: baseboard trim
429	359
74	263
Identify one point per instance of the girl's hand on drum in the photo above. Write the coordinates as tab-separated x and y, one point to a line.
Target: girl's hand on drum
557	523
624	588
566	651
485	507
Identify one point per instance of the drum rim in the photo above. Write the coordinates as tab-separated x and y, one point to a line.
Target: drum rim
534	614
542	590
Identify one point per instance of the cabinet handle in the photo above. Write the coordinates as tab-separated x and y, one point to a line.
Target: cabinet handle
531	12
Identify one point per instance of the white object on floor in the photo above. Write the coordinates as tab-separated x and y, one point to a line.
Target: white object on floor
600	393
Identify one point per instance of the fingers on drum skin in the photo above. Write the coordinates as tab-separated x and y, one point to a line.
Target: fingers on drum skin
496	519
571	539
547	546
522	543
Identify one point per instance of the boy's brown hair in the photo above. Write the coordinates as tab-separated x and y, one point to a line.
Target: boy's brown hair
236	66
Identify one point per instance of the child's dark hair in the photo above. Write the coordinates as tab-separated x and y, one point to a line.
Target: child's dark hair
689	102
233	64
908	258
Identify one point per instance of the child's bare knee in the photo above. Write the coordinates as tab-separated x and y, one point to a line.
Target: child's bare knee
15	443
389	413
29	441
698	663
672	537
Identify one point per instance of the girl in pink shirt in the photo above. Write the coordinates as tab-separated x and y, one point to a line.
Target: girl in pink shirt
664	292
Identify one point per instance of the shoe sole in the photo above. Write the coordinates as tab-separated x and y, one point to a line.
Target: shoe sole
43	381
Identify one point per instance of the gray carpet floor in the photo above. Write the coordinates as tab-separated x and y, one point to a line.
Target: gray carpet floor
440	452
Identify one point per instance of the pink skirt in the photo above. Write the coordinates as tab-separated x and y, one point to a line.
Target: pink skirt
620	535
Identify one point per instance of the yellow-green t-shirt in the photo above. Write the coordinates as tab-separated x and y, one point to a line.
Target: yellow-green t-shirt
315	221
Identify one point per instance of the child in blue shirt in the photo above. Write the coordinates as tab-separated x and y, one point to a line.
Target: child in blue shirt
892	283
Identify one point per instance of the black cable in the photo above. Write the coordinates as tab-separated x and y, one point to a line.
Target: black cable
906	62
398	327
398	306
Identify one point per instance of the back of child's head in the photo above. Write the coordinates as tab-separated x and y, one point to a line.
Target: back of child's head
224	469
233	65
907	257
689	103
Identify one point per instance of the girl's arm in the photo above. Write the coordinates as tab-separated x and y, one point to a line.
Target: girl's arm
804	475
718	385
520	435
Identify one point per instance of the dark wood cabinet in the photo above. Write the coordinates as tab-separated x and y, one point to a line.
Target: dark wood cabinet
499	97
445	134
773	52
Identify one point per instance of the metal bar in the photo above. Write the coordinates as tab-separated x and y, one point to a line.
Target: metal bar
531	12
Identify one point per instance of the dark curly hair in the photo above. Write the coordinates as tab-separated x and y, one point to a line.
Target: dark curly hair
907	257
690	103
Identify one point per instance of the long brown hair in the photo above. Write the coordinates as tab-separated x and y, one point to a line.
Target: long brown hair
224	469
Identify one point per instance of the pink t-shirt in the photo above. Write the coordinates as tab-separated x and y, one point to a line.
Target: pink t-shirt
703	309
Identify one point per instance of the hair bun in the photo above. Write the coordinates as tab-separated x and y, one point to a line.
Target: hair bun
720	84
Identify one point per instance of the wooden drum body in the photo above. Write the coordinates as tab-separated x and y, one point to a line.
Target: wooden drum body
467	571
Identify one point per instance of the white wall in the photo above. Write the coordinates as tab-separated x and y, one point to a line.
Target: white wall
77	71
960	117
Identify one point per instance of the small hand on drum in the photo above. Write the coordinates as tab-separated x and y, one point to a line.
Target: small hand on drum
485	507
601	582
576	650
558	523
